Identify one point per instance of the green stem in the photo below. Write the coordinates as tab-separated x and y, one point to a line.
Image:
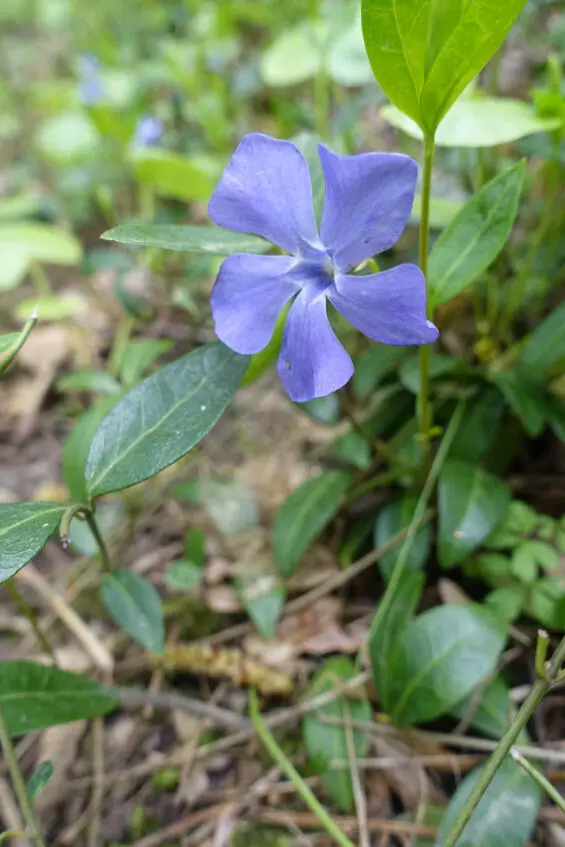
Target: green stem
18	783
424	408
95	530
292	774
121	338
421	506
25	609
10	354
538	692
541	780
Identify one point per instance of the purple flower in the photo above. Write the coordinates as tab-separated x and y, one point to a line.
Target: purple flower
148	132
266	190
90	86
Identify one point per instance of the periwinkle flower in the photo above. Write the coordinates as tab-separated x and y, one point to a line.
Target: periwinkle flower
266	190
148	132
90	86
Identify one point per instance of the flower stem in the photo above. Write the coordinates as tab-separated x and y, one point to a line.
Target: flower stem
18	783
290	771
424	407
539	690
541	780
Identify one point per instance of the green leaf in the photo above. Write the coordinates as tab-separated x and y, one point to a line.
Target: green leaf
21	244
547	344
262	595
373	366
393	518
326	742
546	602
34	696
439	365
471	504
38	780
475	238
186	239
531	555
303	516
172	175
479	427
439	658
182	575
262	361
96	382
295	56
478	122
525	397
162	418
507	602
384	638
138	355
135	606
24	529
77	446
347	58
506	815
492	715
353	449
67	138
425	53
442	211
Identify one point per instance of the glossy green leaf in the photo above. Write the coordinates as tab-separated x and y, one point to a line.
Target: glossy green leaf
303	516
547	344
138	355
21	244
476	236
24	529
186	239
478	122
506	602
34	696
162	418
353	449
491	715
479	427
526	398
77	446
471	504
172	175
135	605
506	815
39	780
385	637
262	596
439	658
425	53
326	742
393	518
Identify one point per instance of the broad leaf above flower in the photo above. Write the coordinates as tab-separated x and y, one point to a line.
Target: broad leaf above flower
265	190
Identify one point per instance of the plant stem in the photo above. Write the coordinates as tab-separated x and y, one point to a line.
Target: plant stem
125	328
290	771
18	782
10	354
541	780
25	609
95	530
421	506
424	408
539	690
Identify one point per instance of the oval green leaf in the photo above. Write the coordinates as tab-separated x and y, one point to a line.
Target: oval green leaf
162	418
327	742
547	344
135	606
21	244
34	696
506	815
77	445
172	175
186	239
475	237
438	659
393	518
295	56
24	529
478	122
424	54
303	516
471	504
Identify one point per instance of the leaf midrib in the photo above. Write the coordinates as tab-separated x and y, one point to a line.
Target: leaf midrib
31	518
94	482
